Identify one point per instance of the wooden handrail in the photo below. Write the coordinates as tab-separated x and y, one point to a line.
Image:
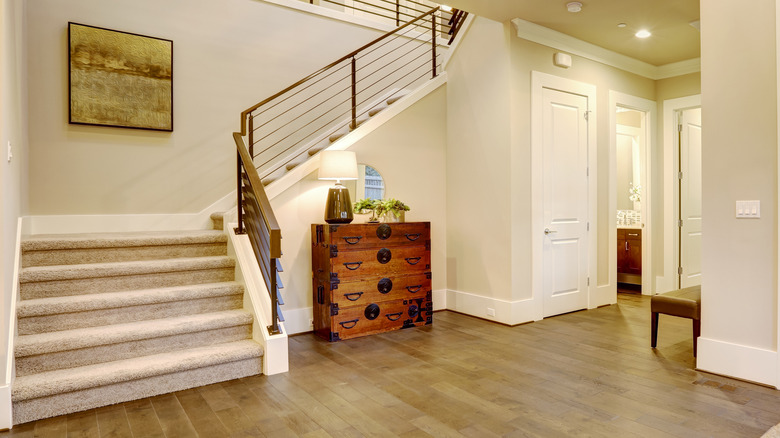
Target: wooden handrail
246	112
262	199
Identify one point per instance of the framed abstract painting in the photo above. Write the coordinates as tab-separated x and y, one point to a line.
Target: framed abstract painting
119	79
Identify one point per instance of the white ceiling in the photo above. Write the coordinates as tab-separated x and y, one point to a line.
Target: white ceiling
673	39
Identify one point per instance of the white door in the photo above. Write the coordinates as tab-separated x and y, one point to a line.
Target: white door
690	198
565	181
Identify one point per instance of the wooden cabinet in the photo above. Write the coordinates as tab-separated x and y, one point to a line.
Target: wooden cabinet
370	278
629	255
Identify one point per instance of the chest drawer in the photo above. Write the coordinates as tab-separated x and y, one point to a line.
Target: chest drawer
363	291
379	317
379	262
362	236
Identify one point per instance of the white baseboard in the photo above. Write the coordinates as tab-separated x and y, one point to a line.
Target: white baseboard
298	320
439	298
603	296
739	361
506	312
6	419
67	224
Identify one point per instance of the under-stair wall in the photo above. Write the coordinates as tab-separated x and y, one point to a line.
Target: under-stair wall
409	151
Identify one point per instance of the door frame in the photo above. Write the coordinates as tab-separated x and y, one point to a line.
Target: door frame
649	107
671	108
540	81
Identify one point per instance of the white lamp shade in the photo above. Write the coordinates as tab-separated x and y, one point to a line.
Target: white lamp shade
338	165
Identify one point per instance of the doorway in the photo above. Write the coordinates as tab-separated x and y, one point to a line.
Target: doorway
689	197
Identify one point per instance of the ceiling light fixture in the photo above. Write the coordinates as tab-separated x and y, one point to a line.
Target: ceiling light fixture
446	8
621	25
642	34
574	6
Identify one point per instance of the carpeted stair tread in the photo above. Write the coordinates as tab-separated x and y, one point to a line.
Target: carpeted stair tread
43	343
113	300
116	269
91	376
43	242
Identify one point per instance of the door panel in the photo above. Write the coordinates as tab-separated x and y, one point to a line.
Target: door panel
565	142
690	198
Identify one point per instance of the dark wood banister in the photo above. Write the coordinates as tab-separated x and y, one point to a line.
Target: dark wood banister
246	112
262	198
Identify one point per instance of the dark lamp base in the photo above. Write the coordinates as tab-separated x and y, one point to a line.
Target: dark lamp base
338	209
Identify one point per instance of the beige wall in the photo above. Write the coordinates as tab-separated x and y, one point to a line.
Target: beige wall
12	128
739	162
480	206
409	151
228	55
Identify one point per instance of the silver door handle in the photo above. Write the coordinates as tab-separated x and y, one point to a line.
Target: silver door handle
549	231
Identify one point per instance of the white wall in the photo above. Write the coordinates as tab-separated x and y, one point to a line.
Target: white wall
12	128
409	151
739	162
228	55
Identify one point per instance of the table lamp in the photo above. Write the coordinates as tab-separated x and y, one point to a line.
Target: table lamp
338	166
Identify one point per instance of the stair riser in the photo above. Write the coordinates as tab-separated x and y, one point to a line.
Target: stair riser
81	286
34	409
126	350
94	318
80	256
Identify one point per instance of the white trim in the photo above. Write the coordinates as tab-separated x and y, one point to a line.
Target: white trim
439	298
649	107
539	81
738	361
507	312
66	224
456	43
6	404
257	302
667	281
559	41
299	172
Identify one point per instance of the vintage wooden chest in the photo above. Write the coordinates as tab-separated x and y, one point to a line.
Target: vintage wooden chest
370	278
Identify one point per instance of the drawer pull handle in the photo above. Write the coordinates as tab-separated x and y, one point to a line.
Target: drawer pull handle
631	234
413	260
394	316
348	296
352	240
349	265
413	236
416	288
352	323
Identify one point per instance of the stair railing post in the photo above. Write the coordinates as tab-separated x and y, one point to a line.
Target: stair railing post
397	12
273	329
239	194
433	42
251	136
353	125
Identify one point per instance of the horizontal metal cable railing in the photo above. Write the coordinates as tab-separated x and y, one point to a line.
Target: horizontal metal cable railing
337	98
393	12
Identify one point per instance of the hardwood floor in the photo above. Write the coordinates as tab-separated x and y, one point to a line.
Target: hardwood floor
590	373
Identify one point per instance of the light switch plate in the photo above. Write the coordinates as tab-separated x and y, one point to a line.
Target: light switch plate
748	209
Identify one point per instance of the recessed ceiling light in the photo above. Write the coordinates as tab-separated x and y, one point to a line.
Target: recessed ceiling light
446	8
621	25
574	6
642	34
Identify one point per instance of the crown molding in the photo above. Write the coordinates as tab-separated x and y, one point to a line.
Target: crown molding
559	41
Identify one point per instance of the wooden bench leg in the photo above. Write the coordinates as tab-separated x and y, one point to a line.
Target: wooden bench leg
654	329
696	334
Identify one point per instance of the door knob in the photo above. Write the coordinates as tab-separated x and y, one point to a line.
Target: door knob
549	231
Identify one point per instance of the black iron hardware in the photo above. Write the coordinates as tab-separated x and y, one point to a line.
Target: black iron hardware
413	236
385	285
383	231
394	316
416	288
352	240
384	255
413	260
349	264
357	296
372	311
351	323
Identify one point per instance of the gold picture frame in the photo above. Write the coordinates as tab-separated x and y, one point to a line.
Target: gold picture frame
119	79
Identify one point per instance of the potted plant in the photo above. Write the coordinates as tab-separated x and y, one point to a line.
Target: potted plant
392	210
364	206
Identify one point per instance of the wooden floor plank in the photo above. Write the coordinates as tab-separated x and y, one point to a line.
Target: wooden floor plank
589	373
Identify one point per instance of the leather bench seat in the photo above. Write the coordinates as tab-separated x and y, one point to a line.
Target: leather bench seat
685	303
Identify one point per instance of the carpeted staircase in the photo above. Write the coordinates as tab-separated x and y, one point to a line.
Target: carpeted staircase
107	318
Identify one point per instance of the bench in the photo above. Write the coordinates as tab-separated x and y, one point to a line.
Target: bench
685	303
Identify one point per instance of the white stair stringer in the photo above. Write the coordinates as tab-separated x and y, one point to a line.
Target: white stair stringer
285	181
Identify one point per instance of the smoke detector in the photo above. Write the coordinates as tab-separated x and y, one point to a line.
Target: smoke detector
574	6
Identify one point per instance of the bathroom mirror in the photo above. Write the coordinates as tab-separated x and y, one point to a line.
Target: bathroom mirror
369	184
628	177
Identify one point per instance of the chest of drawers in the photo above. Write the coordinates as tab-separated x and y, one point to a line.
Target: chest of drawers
370	278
